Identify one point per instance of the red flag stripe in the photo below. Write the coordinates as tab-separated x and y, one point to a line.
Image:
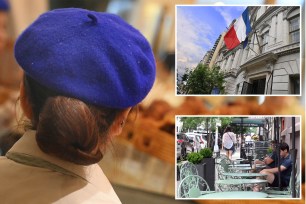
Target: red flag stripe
230	39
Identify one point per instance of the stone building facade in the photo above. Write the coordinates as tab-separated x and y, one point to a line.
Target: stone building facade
210	56
270	63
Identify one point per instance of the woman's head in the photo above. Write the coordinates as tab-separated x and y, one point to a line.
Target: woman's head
79	86
95	57
228	129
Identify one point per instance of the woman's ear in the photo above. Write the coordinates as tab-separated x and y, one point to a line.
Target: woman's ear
119	122
24	102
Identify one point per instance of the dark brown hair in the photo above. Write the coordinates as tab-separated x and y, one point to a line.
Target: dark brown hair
66	127
284	146
228	129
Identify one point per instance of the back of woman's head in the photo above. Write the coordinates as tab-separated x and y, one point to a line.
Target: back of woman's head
66	127
77	62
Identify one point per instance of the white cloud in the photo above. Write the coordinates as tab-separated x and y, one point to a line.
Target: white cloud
193	40
227	13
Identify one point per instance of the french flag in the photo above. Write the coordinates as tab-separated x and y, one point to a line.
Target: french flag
238	32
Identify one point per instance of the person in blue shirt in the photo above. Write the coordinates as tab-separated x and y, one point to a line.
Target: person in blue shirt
270	160
285	168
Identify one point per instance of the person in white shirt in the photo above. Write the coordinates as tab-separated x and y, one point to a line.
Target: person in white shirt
228	142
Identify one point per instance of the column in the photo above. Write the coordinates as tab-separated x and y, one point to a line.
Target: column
251	53
223	64
235	62
229	63
279	33
243	58
285	32
256	44
272	35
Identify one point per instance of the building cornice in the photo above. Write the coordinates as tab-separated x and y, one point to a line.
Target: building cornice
288	49
262	59
270	57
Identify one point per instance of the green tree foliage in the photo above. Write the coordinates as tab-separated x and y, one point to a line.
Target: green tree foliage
225	121
191	123
203	79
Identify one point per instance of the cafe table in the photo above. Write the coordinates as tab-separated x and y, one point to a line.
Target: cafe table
238	161
260	166
240	168
236	195
239	165
240	184
243	175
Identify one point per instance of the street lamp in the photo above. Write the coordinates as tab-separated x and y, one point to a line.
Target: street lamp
216	147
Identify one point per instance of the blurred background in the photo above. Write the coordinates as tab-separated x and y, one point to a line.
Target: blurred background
141	162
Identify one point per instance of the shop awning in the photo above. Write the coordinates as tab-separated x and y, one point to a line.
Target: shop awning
248	122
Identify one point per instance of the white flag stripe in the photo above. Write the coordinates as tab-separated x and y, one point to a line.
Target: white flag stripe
240	29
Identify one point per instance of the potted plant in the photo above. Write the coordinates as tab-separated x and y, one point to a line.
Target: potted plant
206	153
270	150
194	158
205	165
208	167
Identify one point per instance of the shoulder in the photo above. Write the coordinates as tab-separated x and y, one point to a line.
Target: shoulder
89	198
231	134
287	162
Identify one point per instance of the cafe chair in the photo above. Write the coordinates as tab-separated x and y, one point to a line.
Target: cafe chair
193	186
223	167
273	192
188	169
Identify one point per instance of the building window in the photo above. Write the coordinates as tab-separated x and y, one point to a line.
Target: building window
295	84
255	87
258	86
294	29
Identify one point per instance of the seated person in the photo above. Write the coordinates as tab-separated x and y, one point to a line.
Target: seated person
285	169
270	160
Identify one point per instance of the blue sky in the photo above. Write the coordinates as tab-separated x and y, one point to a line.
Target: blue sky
198	27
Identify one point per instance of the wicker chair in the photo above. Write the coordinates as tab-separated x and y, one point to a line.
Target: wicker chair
193	186
188	169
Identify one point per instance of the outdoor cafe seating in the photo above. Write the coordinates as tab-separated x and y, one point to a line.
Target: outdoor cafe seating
231	183
232	177
193	186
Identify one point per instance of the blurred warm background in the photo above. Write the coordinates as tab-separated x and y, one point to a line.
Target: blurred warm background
141	162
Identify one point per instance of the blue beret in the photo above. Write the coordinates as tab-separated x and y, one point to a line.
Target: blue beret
92	56
4	5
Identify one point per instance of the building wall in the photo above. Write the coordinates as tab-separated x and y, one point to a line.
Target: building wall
285	67
287	136
230	85
216	51
270	53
